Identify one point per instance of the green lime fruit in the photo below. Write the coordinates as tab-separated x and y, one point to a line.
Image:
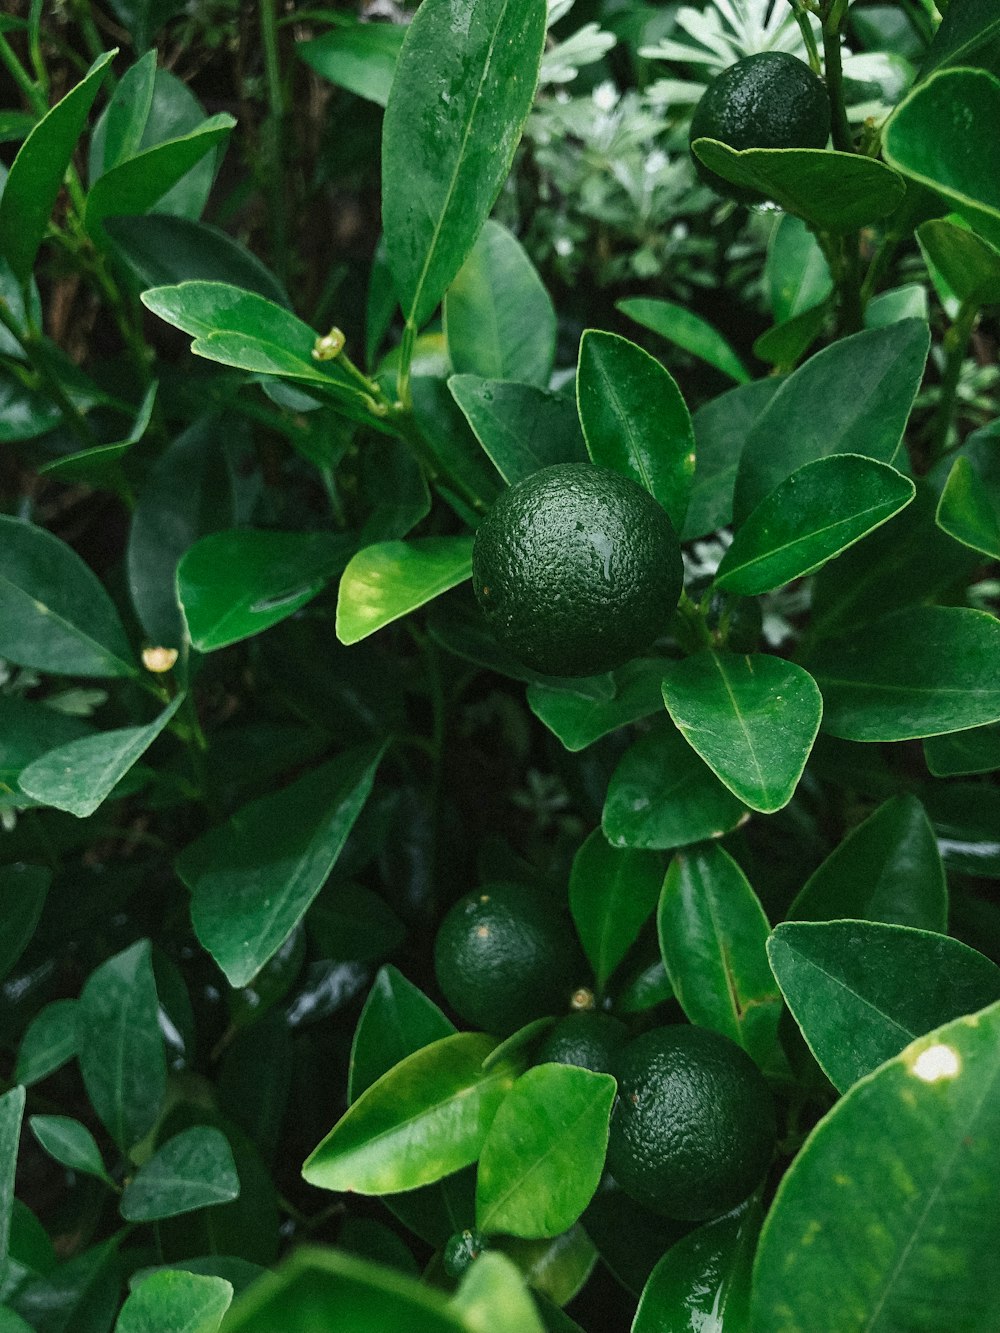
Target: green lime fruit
506	955
577	569
770	100
460	1251
592	1041
693	1129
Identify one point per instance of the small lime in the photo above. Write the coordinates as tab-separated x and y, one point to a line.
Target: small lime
592	1041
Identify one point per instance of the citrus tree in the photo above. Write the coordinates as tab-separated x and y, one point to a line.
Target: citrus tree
498	819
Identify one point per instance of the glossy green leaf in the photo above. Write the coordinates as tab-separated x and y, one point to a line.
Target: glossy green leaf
965	27
966	817
11	1115
22	896
397	1020
48	1043
232	585
466	475
425	1118
897	304
171	1301
492	1298
630	1239
884	368
752	720
81	775
886	869
796	273
967	265
976	750
685	329
784	345
543	1156
78	1296
862	990
968	512
70	1143
253	878
464	85
634	419
834	191
703	1282
388	580
194	1169
37	171
28	730
662	795
499	320
928	138
521	427
12	1323
820	510
612	893
713	937
328	1287
137	183
119	1045
556	1269
581	712
54	613
721	428
356	54
118	134
99	466
919	672
904	1161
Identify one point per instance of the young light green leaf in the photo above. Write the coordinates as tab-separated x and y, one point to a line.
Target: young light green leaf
968	511
232	585
521	427
48	1043
834	191
579	716
612	893
784	345
886	869
253	878
22	896
544	1154
54	612
820	510
70	1143
37	171
119	1044
686	329
494	1298
904	1161
172	1301
118	135
388	580
752	720
721	428
81	775
918	672
194	1169
463	87
967	266
852	990
713	940
356	54
11	1115
884	368
397	1020
976	750
796	272
634	419
425	1118
499	320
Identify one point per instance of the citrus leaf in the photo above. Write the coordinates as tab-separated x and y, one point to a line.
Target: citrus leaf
544	1154
23	889
713	940
521	427
499	320
796	272
849	985
968	512
397	1020
11	1115
886	869
579	715
752	720
965	817
919	672
964	29
194	1169
253	878
905	1161
968	266
975	750
820	510
390	579
425	1118
48	1043
54	612
355	54
686	329
493	1298
556	1269
176	1301
831	190
612	893
37	171
634	419
81	775
464	84
70	1143
721	429
785	344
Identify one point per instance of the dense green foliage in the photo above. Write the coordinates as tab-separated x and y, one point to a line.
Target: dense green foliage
331	911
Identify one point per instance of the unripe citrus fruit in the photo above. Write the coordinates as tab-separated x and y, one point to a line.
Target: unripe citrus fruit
505	955
693	1129
589	1040
577	569
769	100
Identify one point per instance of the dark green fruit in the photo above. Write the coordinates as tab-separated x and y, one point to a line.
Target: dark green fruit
592	1041
770	100
693	1129
460	1251
577	569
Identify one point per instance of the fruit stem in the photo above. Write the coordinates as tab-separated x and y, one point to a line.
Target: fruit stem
693	634
843	140
808	36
